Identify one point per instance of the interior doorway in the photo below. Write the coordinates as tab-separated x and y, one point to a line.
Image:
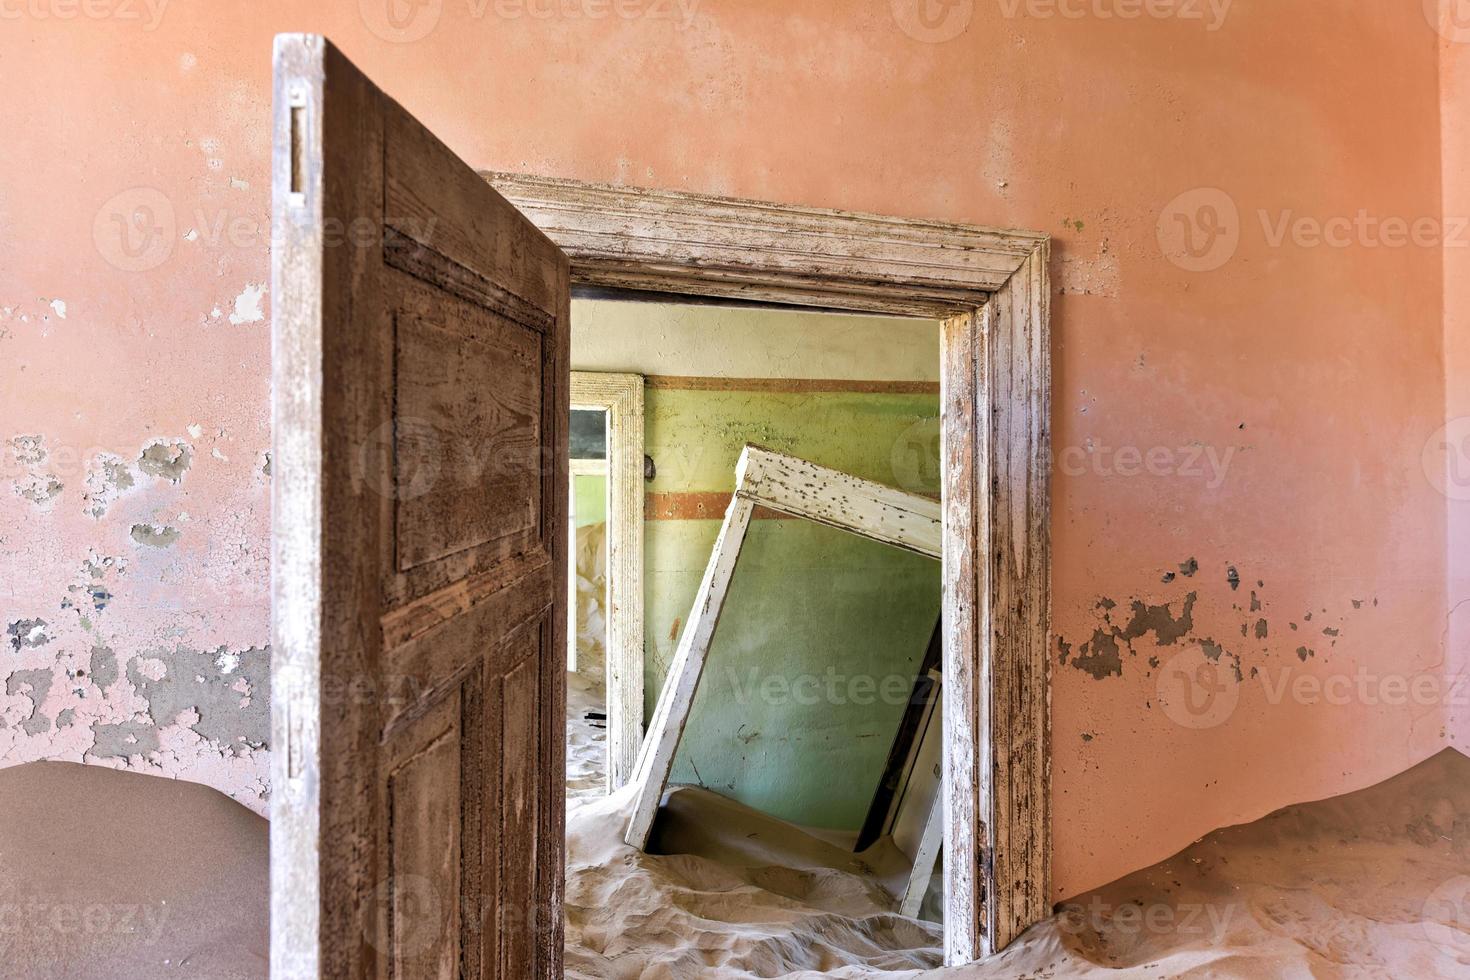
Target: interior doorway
419	529
587	605
812	670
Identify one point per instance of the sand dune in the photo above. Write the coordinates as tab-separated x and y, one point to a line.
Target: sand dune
1371	884
107	874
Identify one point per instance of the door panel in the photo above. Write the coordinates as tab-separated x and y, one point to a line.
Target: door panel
419	397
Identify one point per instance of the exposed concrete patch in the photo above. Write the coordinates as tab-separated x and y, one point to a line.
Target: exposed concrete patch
66	718
247	304
120	740
167	459
193	681
1100	656
156	535
1161	622
28	450
27	633
34	684
103	666
108	479
39	490
1095	275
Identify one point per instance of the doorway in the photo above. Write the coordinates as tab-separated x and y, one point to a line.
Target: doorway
419	533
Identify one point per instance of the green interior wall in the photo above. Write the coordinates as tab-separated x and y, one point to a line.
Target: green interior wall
590	493
823	629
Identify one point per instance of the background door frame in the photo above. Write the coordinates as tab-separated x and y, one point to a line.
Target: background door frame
989	288
621	396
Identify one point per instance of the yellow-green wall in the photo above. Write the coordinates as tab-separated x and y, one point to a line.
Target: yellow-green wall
822	631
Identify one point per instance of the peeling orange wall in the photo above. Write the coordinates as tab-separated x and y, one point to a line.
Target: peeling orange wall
1161	150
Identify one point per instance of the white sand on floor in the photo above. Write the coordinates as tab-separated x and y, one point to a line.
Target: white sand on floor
1370	884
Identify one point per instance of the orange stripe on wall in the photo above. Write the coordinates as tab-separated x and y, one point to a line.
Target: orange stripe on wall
694	505
791	385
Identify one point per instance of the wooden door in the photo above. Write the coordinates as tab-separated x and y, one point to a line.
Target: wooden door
419	506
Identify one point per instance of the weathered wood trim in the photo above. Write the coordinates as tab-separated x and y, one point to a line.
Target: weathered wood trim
672	712
966	710
621	396
1015	429
790	486
922	872
819	493
991	287
672	242
297	498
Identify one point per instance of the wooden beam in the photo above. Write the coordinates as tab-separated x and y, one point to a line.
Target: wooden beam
671	242
669	718
923	871
819	493
798	488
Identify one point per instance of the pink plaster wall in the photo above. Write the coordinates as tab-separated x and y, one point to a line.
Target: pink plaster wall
1453	443
1314	374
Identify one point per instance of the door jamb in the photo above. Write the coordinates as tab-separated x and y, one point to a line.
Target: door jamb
990	289
621	396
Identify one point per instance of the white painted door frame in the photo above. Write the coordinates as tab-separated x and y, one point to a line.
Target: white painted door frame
990	289
621	397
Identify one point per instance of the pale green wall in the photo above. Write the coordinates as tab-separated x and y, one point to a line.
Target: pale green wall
811	606
590	492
